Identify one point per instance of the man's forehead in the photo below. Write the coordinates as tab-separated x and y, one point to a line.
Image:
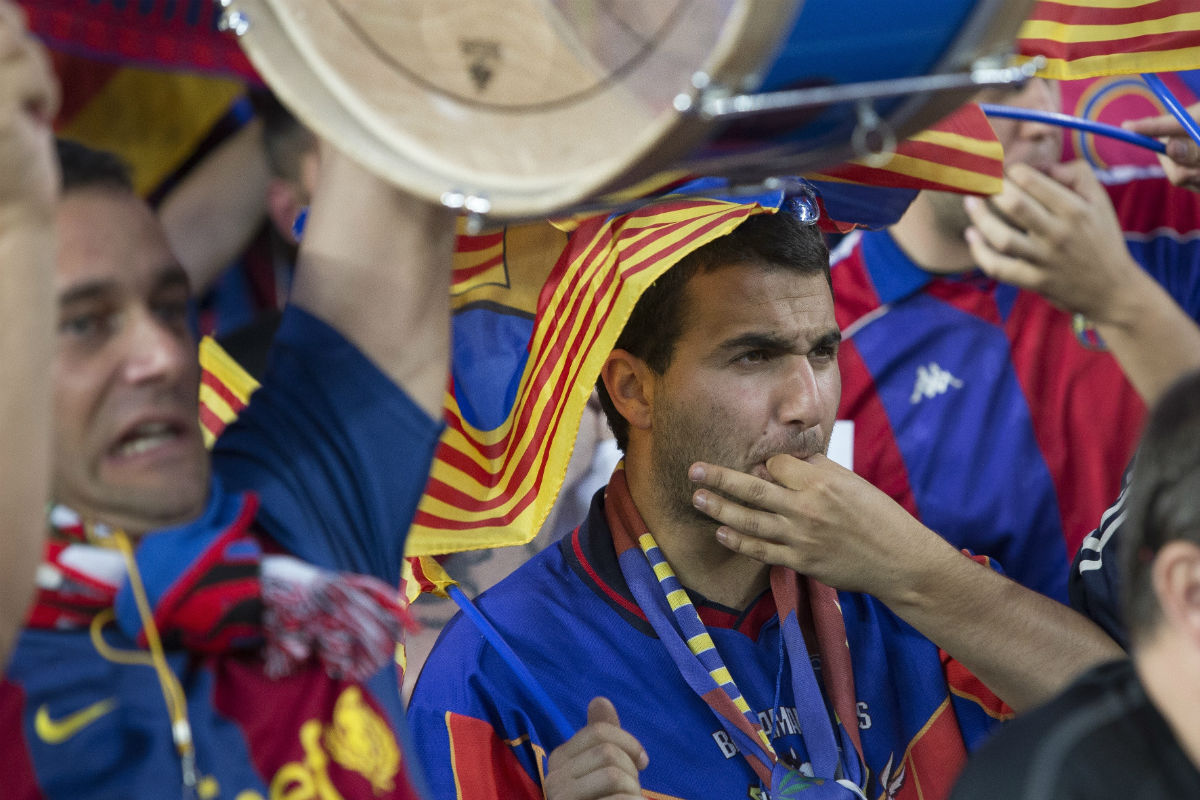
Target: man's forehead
751	288
111	237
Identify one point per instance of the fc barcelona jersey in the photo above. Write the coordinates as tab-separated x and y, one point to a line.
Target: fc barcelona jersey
980	408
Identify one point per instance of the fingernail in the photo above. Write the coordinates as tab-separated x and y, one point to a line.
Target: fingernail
696	473
723	535
700	499
971	202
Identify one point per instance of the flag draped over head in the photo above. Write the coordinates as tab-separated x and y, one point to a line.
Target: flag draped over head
525	362
1091	38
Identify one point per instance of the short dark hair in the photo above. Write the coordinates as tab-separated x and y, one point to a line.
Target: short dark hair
776	241
84	167
1163	503
285	139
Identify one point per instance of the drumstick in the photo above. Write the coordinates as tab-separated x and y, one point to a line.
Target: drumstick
565	731
1067	121
1173	105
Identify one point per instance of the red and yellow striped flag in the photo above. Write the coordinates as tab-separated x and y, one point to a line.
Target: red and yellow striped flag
959	154
1092	38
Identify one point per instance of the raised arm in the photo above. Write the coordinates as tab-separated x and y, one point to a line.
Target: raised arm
28	101
1077	258
213	213
826	522
375	264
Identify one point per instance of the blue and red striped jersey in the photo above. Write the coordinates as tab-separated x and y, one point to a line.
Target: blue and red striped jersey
976	405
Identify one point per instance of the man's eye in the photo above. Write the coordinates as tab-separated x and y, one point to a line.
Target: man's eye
84	326
754	357
826	352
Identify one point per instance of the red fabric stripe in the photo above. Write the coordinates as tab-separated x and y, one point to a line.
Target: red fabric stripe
217	385
934	759
953	157
612	594
210	421
16	762
473	244
1134	44
242	692
972	295
962	680
1060	419
875	448
463	274
127	35
484	765
1090	15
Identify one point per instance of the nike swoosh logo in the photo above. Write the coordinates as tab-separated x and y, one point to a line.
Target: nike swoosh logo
58	731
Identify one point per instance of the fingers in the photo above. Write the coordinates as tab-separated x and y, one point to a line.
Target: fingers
1183	154
1163	125
28	78
745	502
604	732
600	761
1006	269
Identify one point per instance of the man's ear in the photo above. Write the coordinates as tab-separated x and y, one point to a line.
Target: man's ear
284	202
1176	577
630	385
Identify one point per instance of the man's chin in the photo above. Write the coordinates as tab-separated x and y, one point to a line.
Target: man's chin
145	507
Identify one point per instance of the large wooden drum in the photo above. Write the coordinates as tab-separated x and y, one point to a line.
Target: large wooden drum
524	107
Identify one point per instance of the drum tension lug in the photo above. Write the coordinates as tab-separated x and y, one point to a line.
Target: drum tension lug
234	21
872	139
477	207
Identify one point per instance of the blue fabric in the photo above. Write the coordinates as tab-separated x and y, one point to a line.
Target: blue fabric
560	614
337	453
1001	439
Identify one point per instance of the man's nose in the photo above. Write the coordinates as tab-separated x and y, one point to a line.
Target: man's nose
155	351
1039	95
800	400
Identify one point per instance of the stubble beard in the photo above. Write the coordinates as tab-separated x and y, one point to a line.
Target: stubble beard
681	440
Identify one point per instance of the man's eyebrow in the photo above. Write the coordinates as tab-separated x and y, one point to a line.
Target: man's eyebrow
771	341
91	290
171	276
833	337
758	341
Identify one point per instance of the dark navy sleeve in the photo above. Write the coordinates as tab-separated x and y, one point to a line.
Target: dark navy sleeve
1094	582
338	454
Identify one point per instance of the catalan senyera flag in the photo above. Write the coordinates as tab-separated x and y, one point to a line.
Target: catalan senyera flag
1093	38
